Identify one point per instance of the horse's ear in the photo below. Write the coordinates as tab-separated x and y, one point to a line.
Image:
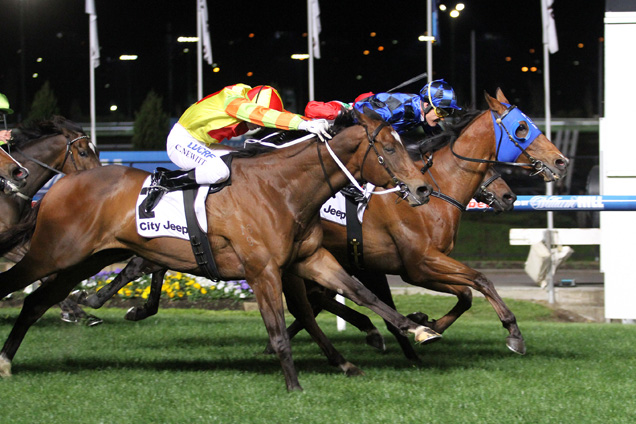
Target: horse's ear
501	97
494	104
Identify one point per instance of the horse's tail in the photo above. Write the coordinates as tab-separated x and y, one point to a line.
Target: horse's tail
20	234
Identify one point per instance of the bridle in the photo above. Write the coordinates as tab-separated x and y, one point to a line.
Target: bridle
399	185
67	155
487	195
501	126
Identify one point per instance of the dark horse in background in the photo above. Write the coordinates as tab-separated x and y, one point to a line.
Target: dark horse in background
263	224
46	148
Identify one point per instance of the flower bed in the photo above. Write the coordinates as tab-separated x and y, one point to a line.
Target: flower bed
176	286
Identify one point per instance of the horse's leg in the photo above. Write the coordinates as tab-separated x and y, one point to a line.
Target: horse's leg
445	270
323	268
379	285
52	291
464	301
151	307
299	306
267	288
134	269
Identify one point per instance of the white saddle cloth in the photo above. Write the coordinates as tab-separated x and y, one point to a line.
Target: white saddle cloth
168	217
335	209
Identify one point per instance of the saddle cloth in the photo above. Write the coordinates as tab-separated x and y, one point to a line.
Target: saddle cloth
168	219
335	208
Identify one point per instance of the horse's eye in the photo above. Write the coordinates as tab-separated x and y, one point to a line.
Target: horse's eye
389	150
83	153
522	130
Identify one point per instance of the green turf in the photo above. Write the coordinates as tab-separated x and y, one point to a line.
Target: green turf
194	366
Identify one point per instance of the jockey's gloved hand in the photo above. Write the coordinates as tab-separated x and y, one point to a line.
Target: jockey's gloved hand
320	127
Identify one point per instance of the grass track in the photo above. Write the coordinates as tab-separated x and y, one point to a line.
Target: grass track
187	366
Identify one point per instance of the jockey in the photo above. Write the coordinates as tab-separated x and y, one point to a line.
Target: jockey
228	113
5	134
404	112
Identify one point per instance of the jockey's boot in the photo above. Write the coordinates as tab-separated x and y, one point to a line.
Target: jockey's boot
163	181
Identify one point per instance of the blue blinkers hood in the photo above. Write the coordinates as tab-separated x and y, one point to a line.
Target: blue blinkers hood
507	150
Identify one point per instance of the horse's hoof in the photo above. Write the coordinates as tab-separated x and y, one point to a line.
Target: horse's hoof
351	370
375	339
5	367
69	317
92	321
131	314
424	335
78	296
516	345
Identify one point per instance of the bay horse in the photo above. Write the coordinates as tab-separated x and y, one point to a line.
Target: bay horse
415	244
492	191
265	222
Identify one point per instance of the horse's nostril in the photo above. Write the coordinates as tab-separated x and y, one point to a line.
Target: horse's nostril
424	191
20	173
509	198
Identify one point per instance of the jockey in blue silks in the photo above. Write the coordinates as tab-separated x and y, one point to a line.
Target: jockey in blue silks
404	112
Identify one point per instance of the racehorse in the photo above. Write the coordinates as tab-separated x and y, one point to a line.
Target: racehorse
46	148
415	244
493	191
265	222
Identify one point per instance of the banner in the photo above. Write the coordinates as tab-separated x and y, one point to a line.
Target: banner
205	32
549	26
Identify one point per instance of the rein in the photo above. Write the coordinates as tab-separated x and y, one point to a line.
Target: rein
399	186
536	164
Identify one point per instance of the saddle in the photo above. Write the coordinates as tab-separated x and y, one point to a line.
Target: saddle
164	181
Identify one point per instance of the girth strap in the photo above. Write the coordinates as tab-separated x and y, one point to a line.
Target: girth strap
199	239
354	234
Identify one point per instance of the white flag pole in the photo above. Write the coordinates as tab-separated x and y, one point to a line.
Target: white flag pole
93	60
310	47
429	44
550	45
199	53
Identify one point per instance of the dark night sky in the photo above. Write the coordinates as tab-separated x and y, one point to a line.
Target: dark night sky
57	31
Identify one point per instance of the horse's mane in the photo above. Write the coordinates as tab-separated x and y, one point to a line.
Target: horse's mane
451	132
44	128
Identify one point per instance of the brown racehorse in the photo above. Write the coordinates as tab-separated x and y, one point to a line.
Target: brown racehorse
493	191
262	224
415	244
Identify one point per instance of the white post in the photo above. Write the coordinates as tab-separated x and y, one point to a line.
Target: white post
429	46
310	48
549	186
199	55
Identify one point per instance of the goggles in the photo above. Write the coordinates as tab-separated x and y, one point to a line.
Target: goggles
441	113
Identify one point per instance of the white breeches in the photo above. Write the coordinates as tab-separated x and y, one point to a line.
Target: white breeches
187	152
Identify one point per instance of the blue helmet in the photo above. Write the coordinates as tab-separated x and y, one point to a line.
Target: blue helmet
439	94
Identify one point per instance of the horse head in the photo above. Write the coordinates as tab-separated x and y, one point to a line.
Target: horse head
12	174
393	166
80	153
495	192
519	140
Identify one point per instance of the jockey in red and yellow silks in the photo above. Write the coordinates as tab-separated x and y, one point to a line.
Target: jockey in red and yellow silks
228	113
